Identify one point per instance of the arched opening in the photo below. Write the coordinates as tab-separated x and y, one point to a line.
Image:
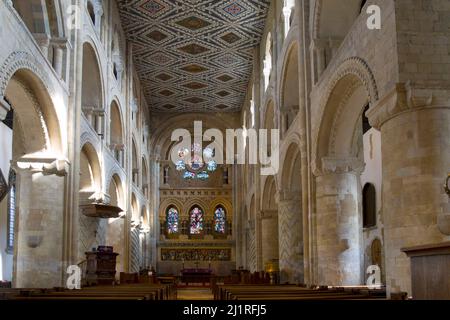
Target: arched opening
172	220
290	218
144	177
92	97
34	16
334	20
116	133
220	220
290	90
115	235
196	221
90	174
346	158
134	162
288	7
29	131
92	229
369	205
135	209
91	11
268	61
269	224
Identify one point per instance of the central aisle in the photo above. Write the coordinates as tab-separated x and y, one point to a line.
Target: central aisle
195	294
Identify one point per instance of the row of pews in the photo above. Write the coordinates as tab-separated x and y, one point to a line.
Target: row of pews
294	292
141	291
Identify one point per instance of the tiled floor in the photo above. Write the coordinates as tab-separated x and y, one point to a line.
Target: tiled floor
195	294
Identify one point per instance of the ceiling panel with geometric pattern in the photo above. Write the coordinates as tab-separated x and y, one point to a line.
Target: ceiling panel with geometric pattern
194	55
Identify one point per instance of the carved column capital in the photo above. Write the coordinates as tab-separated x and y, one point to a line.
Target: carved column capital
405	97
336	165
46	166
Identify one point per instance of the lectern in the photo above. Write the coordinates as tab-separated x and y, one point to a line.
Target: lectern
430	271
101	266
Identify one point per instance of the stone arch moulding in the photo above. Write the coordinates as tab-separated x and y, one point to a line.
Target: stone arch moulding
290	44
49	119
87	137
195	202
263	114
357	67
95	162
353	66
110	175
290	153
167	203
92	43
221	202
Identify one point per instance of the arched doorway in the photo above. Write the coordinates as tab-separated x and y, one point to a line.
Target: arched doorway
116	134
31	145
92	231
92	90
115	235
269	222
290	91
340	163
290	219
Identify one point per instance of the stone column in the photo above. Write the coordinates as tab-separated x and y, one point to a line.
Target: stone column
39	234
60	46
338	222
43	40
290	250
415	133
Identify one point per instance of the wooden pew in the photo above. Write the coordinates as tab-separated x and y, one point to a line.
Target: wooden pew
293	292
121	292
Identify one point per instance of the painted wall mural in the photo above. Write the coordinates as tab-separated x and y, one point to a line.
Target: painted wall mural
198	254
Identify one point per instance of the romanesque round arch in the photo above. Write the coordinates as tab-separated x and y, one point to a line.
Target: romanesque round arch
290	46
23	69
91	56
325	12
333	136
116	181
95	167
291	161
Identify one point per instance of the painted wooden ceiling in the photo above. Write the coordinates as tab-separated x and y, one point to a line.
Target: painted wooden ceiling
194	55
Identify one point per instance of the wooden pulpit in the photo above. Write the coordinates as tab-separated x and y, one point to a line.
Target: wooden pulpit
101	266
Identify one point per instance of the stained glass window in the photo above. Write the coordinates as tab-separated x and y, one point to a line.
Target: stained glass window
193	165
172	220
220	219
196	220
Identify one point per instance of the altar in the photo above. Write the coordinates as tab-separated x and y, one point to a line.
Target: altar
196	275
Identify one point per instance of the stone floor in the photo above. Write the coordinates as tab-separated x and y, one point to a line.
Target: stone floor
195	294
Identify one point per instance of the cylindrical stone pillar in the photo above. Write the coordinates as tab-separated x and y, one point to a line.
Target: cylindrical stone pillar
338	229
416	161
